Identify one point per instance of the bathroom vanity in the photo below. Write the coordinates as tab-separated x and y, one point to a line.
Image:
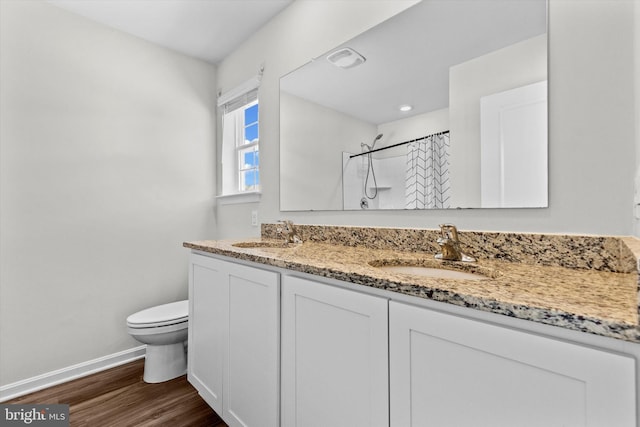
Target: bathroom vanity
318	333
234	335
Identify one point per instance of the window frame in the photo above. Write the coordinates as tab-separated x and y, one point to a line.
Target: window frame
242	147
232	106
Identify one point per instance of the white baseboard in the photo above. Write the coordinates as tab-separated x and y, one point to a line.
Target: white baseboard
20	388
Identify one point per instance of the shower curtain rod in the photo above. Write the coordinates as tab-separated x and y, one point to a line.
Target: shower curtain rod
398	144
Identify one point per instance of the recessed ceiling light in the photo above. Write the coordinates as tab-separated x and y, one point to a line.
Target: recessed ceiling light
405	108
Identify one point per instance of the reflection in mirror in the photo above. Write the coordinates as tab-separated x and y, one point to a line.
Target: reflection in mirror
456	89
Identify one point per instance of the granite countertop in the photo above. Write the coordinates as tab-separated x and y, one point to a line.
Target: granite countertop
584	299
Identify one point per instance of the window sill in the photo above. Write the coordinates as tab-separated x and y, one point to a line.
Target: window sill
238	198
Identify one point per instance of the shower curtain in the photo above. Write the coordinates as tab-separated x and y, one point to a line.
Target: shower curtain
427	183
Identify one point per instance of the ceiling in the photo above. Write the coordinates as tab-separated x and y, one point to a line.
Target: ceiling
409	56
205	29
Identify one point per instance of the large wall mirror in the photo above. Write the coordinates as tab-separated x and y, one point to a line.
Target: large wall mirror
442	106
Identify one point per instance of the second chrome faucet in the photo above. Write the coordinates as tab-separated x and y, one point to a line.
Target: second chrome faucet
450	245
289	232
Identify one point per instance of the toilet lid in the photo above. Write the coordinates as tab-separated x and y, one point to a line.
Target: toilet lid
161	315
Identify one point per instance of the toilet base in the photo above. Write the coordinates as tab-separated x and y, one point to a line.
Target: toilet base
164	362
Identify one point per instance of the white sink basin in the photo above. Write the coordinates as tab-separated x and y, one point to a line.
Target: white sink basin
439	273
263	244
437	269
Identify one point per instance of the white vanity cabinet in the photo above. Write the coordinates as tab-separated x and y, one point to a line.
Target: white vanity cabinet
447	370
234	339
334	356
286	349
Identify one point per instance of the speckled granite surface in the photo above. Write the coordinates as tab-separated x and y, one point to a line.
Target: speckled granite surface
606	253
584	283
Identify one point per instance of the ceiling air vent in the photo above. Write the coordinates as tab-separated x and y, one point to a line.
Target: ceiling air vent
345	58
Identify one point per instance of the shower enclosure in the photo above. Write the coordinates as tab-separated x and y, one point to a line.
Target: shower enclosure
411	177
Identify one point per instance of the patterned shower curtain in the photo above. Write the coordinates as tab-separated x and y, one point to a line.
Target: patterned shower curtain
427	183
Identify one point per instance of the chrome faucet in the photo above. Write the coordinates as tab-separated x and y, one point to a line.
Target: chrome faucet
289	231
450	245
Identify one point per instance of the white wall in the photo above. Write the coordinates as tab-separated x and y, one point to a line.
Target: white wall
637	115
591	126
106	168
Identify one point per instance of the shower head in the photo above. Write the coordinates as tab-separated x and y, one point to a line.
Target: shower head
373	144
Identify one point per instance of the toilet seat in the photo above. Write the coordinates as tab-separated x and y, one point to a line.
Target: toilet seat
162	315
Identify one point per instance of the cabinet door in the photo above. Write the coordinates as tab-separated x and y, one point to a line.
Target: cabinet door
451	371
334	356
208	293
251	376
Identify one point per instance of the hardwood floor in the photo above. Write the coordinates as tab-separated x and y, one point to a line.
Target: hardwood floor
118	397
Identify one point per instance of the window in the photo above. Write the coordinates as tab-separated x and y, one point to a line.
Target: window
248	152
240	155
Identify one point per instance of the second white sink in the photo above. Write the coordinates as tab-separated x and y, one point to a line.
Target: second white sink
440	273
263	244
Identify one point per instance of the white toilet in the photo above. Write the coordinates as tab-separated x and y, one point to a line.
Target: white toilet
164	330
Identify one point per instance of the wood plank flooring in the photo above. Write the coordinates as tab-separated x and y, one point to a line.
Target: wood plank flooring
119	397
